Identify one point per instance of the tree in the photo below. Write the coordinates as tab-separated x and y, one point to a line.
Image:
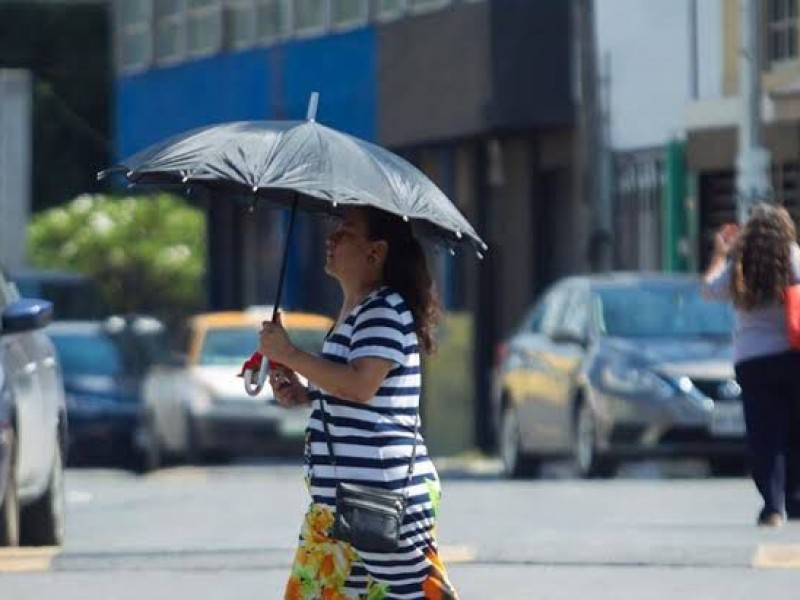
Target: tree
146	253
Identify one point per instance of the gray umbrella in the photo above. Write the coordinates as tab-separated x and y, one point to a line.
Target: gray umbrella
304	165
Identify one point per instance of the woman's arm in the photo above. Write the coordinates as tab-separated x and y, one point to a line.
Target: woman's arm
357	381
717	274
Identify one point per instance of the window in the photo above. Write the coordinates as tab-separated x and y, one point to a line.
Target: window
310	16
134	39
390	9
555	301
273	19
170	30
781	30
204	27
426	5
575	317
241	29
348	13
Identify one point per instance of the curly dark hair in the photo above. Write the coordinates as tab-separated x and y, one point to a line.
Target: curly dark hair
406	272
761	257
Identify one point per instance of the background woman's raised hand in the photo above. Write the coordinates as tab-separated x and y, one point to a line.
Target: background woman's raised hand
725	239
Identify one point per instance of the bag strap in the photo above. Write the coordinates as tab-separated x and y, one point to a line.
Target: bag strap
333	456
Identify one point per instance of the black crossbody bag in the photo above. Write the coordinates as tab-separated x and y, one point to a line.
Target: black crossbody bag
369	517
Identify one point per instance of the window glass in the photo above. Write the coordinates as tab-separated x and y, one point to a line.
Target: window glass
232	345
273	19
675	310
204	27
169	29
241	24
309	15
556	300
134	34
575	316
348	12
390	9
426	5
782	30
87	354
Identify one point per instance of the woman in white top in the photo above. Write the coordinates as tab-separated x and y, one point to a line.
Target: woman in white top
367	385
753	269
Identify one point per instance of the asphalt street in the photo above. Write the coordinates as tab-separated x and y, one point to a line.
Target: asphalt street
228	532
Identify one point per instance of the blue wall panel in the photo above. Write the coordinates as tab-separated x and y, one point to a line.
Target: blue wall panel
273	82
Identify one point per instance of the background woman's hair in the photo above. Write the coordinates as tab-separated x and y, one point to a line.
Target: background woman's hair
406	271
761	258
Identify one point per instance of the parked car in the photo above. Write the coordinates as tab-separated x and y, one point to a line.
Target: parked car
104	364
74	296
33	424
617	366
196	404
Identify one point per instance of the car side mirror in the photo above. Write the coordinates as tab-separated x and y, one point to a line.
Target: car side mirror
27	315
563	336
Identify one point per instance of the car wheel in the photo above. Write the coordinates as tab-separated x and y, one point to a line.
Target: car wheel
42	521
147	451
9	503
727	467
516	463
588	463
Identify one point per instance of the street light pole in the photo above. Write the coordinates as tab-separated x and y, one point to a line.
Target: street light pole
753	160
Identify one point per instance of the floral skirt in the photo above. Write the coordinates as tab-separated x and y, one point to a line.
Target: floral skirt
327	569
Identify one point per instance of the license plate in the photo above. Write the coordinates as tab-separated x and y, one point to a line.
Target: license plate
727	420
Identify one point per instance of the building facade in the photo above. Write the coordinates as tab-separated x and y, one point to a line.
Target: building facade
477	93
712	122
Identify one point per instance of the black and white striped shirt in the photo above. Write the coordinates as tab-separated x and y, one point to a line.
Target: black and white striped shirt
373	441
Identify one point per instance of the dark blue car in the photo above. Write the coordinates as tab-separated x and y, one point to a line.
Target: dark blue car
103	364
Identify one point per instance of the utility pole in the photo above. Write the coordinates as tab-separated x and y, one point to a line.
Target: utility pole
753	160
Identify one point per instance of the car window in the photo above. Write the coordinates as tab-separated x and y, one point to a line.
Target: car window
575	317
231	345
662	311
556	301
87	354
532	323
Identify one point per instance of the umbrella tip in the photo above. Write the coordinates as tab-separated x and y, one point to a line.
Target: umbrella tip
313	102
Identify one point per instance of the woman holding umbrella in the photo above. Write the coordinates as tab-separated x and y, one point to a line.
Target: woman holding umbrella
365	388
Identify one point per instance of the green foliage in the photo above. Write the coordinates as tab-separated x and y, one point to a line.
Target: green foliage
147	253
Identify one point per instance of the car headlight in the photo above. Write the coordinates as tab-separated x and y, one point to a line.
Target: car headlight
635	381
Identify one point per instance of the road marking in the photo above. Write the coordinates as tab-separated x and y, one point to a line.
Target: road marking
457	554
20	560
777	556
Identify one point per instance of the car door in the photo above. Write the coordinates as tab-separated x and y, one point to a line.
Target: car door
532	350
26	388
567	351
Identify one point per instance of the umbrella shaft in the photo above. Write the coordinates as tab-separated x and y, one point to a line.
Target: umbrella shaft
285	259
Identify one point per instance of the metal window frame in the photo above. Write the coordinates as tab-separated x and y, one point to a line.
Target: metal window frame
234	8
176	20
383	15
199	14
265	40
124	31
313	30
431	6
353	23
781	26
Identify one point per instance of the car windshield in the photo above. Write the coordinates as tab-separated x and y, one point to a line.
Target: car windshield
661	311
231	346
87	354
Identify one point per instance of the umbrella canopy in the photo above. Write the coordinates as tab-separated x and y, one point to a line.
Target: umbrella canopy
300	163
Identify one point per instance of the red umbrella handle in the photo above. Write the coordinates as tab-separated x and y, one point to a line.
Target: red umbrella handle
254	371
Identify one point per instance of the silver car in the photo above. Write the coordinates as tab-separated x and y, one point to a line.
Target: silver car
33	426
613	367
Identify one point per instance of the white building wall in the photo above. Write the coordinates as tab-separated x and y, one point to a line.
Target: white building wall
15	165
648	45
